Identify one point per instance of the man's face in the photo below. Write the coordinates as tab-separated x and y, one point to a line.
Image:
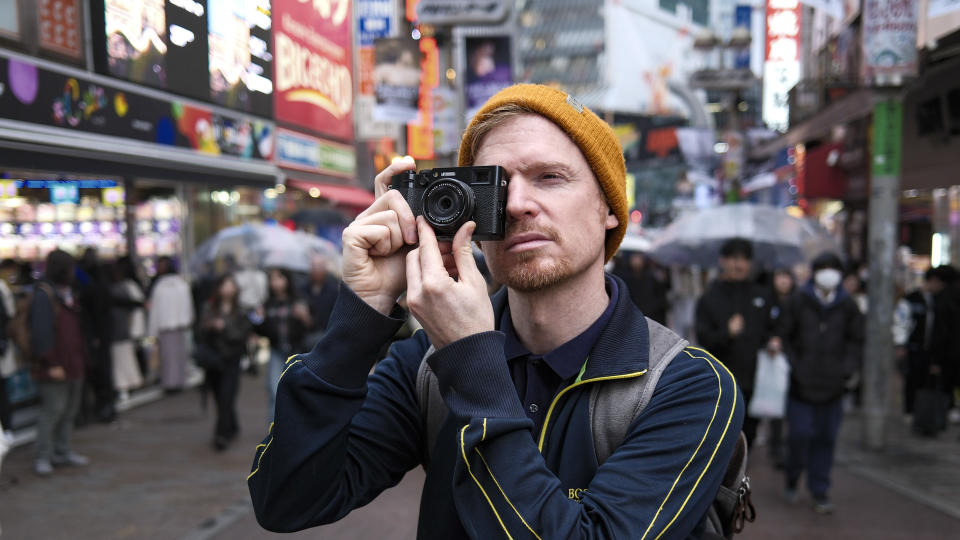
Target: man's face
556	215
735	267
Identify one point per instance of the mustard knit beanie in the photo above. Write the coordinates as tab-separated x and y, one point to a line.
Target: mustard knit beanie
591	134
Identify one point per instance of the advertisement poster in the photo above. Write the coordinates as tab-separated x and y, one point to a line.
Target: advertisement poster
376	19
154	42
136	40
48	98
488	69
58	23
241	58
644	88
396	80
889	40
314	66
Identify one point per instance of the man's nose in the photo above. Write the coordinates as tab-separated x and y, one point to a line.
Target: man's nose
520	199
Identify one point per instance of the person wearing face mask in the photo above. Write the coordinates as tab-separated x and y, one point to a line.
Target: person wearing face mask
822	333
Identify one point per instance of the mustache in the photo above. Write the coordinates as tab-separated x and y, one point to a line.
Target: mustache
521	227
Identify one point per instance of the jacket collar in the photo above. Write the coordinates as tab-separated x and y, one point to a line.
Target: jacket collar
623	346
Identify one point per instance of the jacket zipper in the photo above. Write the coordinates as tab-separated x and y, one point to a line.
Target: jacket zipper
556	399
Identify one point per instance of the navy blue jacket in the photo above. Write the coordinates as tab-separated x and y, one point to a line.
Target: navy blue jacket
340	437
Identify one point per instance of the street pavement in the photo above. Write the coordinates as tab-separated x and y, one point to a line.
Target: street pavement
154	474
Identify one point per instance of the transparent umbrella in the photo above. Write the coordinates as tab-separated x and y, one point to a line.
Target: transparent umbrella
260	246
779	239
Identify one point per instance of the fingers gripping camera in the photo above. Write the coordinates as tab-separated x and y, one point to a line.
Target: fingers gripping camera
449	197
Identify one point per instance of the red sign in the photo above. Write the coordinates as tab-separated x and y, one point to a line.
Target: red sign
783	30
314	66
420	135
58	24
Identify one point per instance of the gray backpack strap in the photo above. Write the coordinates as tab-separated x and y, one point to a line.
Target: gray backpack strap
433	410
615	404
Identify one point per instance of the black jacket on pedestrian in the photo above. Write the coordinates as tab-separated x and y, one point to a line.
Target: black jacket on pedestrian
321	299
722	301
824	343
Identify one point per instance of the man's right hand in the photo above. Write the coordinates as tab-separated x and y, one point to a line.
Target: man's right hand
374	265
735	325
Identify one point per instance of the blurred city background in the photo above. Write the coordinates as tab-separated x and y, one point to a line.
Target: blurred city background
203	137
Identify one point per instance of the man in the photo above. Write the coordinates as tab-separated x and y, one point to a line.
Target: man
920	341
515	456
59	357
733	319
823	338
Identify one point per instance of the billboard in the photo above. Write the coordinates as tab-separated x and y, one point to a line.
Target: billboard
396	80
241	58
212	50
489	69
314	66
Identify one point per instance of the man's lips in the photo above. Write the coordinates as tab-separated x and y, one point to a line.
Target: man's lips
528	240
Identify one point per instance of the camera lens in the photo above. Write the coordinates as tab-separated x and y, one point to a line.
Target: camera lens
447	204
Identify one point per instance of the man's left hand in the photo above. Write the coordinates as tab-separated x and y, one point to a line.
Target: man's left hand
445	290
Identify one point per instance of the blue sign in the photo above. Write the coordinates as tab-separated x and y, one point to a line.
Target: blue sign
741	19
374	20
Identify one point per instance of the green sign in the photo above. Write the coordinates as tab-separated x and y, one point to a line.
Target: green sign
887	139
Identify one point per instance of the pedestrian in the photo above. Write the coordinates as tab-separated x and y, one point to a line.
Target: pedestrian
128	327
514	457
8	354
224	328
823	337
170	318
784	286
59	360
320	293
646	282
99	402
285	318
733	319
944	369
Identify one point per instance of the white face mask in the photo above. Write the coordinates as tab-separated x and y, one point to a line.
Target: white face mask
827	278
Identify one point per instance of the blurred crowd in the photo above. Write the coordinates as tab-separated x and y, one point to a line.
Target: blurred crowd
82	336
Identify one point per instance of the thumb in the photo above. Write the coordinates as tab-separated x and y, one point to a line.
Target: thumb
463	252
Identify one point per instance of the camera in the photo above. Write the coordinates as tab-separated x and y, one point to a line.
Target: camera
451	196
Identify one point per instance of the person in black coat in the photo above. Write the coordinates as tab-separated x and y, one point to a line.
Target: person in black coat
320	292
224	328
822	335
733	319
646	283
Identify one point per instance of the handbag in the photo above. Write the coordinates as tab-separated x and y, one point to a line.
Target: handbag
770	386
206	357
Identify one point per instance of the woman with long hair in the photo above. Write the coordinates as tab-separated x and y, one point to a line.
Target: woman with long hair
285	321
223	331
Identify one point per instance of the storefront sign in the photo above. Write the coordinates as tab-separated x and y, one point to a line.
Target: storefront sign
314	66
488	69
306	153
39	96
889	41
781	71
58	25
460	12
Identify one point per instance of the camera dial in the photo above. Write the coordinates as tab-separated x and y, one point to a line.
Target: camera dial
448	204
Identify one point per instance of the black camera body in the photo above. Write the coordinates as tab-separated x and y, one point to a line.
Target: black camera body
448	197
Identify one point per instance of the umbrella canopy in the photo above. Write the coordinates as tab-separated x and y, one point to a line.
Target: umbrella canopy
779	239
259	246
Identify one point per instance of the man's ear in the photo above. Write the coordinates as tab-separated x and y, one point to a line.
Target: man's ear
612	220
